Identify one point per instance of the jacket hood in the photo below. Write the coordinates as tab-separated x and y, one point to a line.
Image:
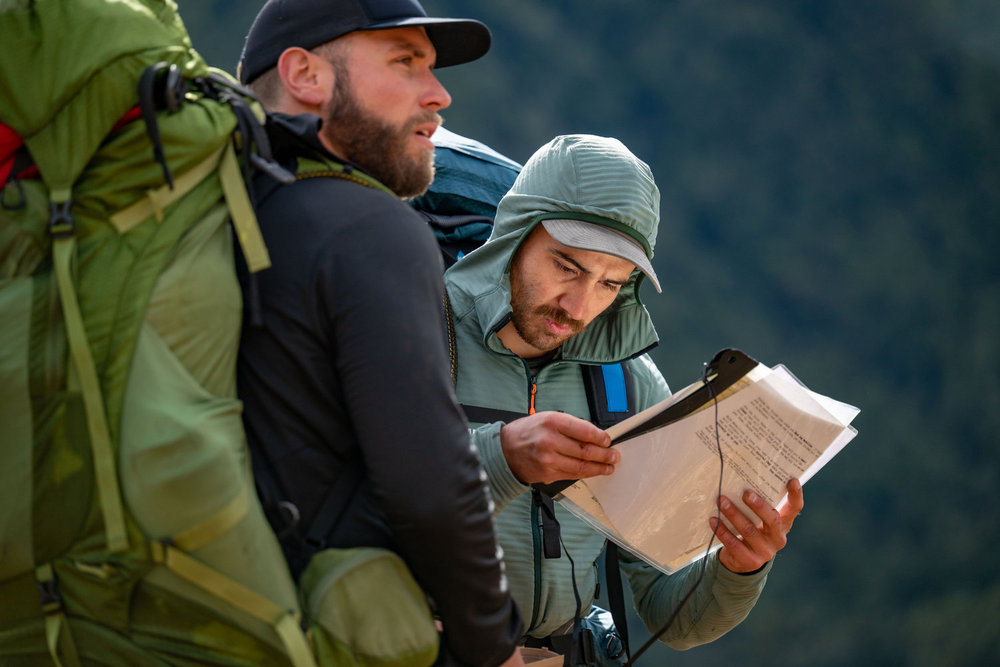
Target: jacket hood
596	179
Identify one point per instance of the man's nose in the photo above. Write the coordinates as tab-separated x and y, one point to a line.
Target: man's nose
575	302
435	96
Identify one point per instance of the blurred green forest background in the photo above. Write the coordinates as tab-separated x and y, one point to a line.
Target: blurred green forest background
830	174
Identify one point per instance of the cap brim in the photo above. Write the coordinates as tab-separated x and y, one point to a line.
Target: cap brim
456	41
598	238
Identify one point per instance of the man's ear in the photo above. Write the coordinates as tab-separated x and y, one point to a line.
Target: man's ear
307	78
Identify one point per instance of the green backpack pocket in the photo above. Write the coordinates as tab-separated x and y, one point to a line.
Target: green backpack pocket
366	610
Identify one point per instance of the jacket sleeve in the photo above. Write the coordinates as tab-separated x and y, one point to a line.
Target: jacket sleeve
720	601
383	303
504	486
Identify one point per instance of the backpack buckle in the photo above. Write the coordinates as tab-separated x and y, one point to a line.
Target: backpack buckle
48	595
48	590
61	223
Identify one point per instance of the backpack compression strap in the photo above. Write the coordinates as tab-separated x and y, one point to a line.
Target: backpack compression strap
174	554
62	228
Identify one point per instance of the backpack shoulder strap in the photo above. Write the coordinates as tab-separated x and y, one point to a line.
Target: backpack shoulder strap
317	167
335	505
616	594
309	167
609	393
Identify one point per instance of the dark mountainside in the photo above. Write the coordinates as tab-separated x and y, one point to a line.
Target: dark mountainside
830	176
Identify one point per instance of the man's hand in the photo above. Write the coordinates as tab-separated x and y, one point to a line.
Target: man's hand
551	446
759	539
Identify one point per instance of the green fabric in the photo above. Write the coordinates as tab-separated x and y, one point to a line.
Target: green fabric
15	415
368	610
159	314
55	98
596	177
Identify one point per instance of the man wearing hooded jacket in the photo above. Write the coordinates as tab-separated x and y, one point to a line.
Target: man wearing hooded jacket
556	286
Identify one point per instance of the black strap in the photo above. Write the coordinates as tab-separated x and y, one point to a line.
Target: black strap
726	368
161	86
608	405
550	525
333	508
593	379
480	415
284	516
616	596
22	161
583	642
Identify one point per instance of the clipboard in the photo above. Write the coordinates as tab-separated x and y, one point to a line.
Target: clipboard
726	368
768	427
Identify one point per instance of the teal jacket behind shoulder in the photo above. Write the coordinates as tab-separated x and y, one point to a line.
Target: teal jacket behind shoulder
489	375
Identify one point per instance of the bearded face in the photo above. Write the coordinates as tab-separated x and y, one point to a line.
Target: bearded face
382	149
556	291
533	319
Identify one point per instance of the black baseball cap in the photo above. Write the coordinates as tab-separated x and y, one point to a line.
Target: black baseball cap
282	24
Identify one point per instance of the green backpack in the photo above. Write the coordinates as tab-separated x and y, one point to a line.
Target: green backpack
130	533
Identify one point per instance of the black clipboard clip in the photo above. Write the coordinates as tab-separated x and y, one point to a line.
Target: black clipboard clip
723	371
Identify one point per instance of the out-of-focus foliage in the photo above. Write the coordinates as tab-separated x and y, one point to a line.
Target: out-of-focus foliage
830	175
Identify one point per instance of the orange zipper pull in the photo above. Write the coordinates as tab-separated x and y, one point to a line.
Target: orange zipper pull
531	405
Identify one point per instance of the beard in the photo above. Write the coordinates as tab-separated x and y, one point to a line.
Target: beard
375	145
529	321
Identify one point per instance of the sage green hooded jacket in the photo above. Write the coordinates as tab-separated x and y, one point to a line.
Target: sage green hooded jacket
599	180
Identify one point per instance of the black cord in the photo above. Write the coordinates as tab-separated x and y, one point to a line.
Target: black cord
571	658
711	541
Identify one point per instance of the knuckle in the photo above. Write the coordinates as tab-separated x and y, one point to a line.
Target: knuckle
546	459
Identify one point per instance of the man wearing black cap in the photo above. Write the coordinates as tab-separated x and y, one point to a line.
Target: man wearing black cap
355	433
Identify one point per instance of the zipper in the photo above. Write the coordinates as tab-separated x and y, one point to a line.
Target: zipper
536	519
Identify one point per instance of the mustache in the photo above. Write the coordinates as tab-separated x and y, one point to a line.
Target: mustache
427	117
560	317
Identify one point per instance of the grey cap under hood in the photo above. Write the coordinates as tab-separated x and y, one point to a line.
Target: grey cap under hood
585	177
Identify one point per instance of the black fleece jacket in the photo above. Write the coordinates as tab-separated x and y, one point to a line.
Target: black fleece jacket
349	362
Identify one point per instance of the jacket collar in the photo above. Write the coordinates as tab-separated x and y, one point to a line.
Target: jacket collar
295	135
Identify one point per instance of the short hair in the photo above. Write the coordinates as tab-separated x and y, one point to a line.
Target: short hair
268	86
